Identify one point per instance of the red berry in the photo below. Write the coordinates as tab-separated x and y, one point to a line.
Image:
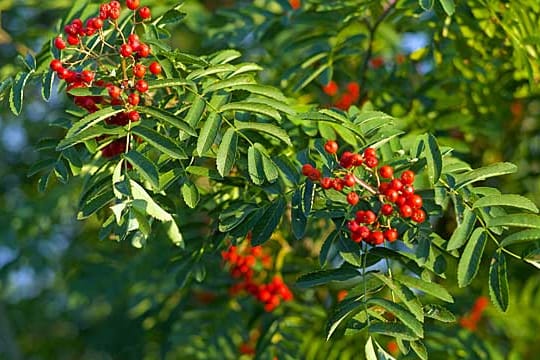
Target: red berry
331	88
392	195
133	40
386	171
415	201
126	50
396	184
71	30
155	68
353	88
145	13
143	50
350	180
418	215
115	4
87	76
371	161
114	13
405	211
104	11
376	238
387	209
338	184
326	183
315	175
56	65
383	187
391	235
132	4
357	160
407	177
356	237
139	70
364	231
73	40
114	91
307	169
59	43
141	86
134	99
62	73
346	159
353	198
353	226
97	23
370	217
133	116
407	190
401	200
370	152
331	147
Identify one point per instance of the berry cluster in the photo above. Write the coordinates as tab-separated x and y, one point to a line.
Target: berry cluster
376	206
243	263
88	60
350	96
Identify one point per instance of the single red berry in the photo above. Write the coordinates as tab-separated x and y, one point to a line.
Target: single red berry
392	195
56	65
391	235
331	88
139	70
401	201
315	175
155	68
87	76
407	190
350	180
132	4
71	30
133	40
407	177
415	201
418	215
383	187
377	238
114	91
97	23
331	147
370	152
133	116
141	86
386	171
353	88
59	43
115	4
353	226
396	184
143	50
405	211
353	198
346	159
387	209
104	11
356	237
370	217
114	13
73	40
134	99
307	169
371	161
145	13
338	184
364	231
357	160
62	73
126	50
326	183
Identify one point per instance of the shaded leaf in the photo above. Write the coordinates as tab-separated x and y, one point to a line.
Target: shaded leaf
498	281
144	167
469	263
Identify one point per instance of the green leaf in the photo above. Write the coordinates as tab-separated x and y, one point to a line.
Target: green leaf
230	83
224	68
169	118
439	313
325	276
46	85
172	16
448	6
264	90
255	167
44	164
521	236
270	220
395	330
269	129
472	256
308	195
370	350
92	91
195	111
462	232
89	133
498	281
516	201
251	107
208	134
226	154
162	143
144	203
426	4
298	219
16	95
420	349
401	313
162	83
409	299
434	158
224	56
94	204
144	167
483	173
430	288
92	119
190	193
518	220
234	215
174	233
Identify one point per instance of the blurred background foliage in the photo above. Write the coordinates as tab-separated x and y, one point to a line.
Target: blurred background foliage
471	78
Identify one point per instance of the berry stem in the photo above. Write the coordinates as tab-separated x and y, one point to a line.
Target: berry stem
365	185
